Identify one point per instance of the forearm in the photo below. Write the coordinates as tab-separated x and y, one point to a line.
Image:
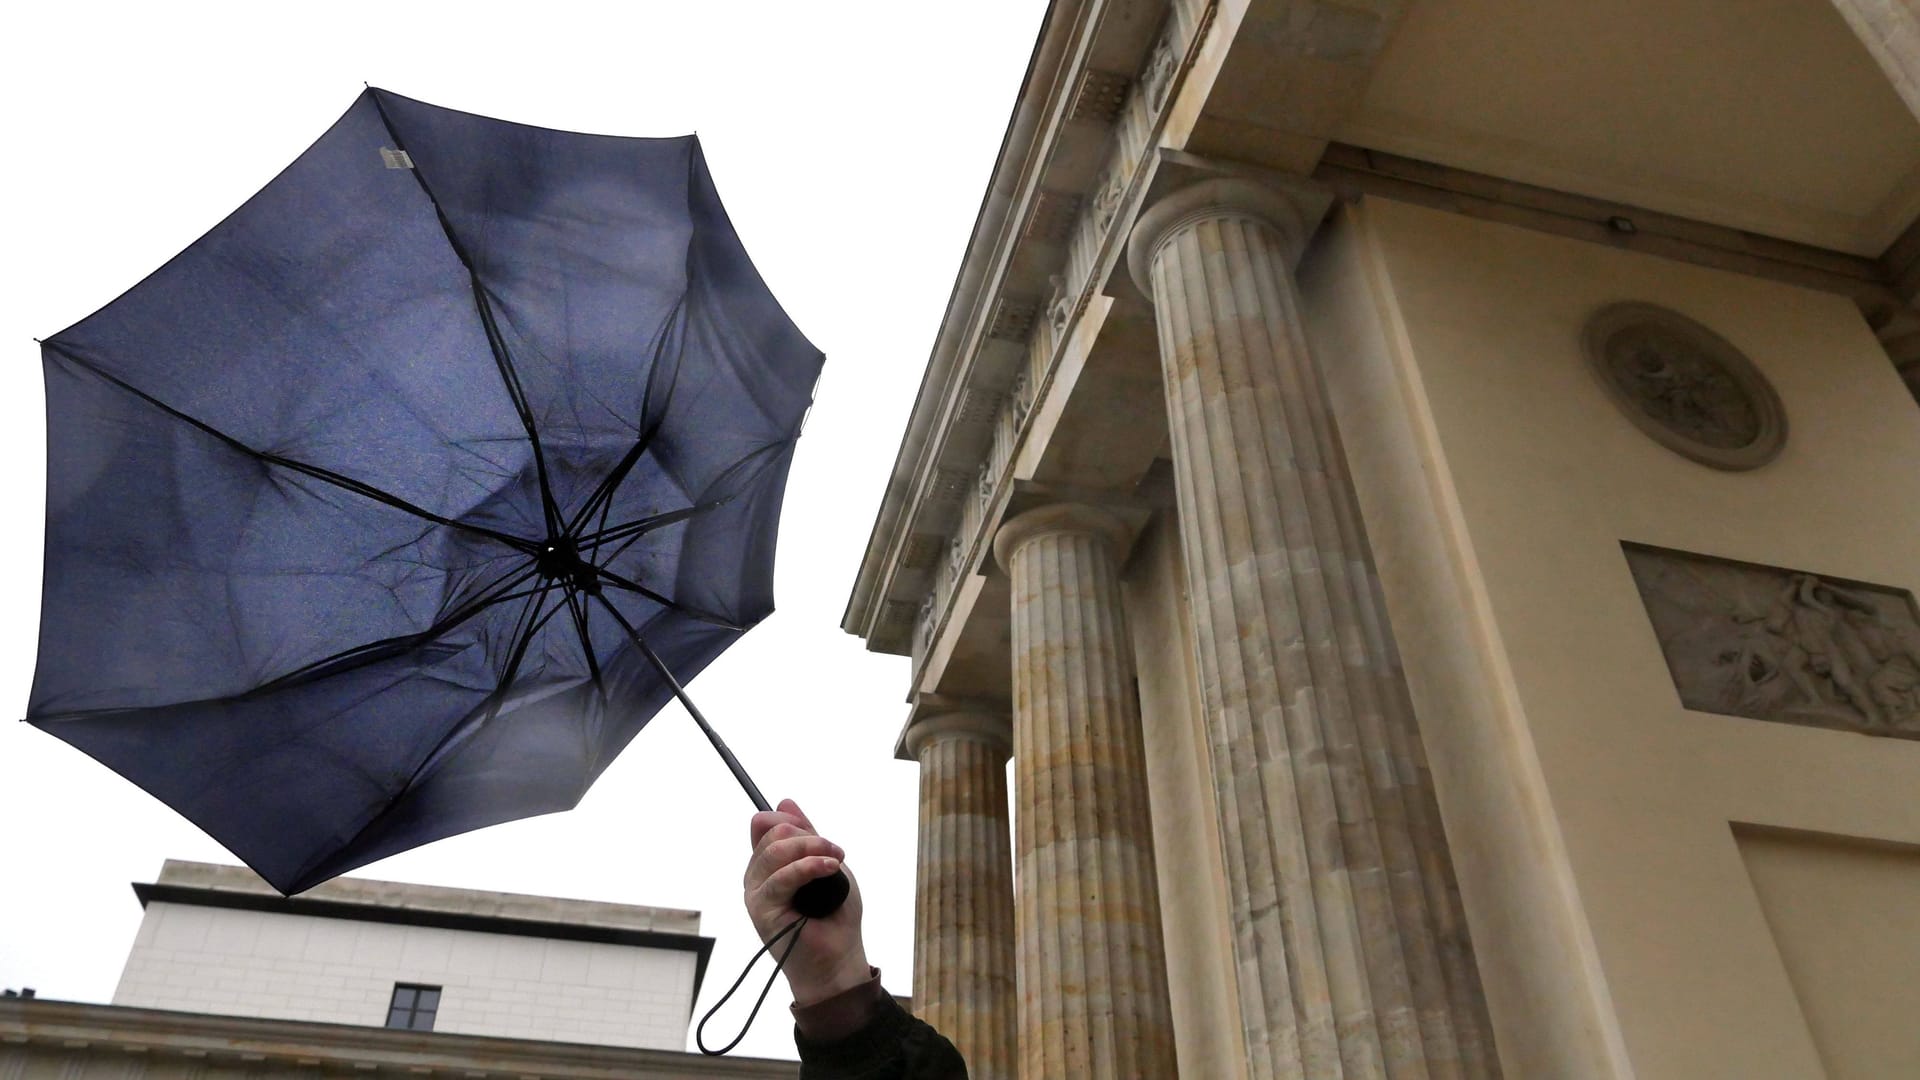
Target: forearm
861	1033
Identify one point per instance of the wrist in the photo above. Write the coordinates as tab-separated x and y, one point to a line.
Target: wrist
810	988
840	1014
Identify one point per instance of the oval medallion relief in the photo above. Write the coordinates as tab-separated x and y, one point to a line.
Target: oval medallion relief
1685	386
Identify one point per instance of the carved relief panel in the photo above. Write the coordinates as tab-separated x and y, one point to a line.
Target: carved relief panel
1775	644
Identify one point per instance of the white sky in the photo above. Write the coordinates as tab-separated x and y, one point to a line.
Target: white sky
851	142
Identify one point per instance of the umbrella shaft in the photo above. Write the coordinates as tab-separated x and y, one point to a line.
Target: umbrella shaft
726	755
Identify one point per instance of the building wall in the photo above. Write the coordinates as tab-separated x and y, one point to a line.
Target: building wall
1846	916
1186	826
301	967
1600	827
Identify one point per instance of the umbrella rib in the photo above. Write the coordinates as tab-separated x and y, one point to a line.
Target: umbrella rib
623	583
345	660
637	528
503	363
618	475
460	731
614	479
632	531
529	623
578	610
328	476
496	342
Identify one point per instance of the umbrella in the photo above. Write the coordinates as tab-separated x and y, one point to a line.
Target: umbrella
393	506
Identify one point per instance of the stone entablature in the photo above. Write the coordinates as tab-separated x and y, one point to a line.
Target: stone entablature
1067	226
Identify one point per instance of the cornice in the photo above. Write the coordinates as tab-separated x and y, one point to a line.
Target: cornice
1063	20
952	467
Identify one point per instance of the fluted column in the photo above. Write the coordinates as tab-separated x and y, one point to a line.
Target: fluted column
1349	947
963	935
1091	966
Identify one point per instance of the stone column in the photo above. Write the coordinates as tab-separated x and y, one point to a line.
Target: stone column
963	935
1349	946
1091	967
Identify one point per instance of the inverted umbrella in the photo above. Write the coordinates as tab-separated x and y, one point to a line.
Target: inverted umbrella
392	507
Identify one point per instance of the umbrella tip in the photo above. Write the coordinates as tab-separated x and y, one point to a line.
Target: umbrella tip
37	341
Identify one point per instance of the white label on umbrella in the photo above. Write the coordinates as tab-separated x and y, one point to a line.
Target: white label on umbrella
396	159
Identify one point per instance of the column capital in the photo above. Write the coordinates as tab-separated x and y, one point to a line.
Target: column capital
1291	207
1062	517
980	725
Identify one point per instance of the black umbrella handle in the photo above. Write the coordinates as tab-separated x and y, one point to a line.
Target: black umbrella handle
822	896
818	898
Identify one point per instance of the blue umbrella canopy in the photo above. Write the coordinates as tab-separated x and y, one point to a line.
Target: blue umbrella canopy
365	511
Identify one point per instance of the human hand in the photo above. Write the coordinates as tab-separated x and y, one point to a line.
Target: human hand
787	854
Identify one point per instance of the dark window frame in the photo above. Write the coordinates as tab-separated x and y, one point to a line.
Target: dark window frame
413	1006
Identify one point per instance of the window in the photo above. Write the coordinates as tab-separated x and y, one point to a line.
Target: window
413	1007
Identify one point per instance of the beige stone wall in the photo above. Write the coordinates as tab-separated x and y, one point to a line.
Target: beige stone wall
1618	926
1818	893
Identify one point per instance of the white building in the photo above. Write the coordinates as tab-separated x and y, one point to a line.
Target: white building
217	939
226	975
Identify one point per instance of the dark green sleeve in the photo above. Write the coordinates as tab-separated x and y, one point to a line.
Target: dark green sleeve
893	1045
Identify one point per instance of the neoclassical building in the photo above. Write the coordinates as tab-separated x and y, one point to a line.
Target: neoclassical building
1423	494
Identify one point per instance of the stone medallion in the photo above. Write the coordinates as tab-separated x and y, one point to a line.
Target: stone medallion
1685	386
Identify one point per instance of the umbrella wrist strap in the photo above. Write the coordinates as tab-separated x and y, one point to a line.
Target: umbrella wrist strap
699	1033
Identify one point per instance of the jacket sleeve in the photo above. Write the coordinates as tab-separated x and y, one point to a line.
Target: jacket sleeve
890	1044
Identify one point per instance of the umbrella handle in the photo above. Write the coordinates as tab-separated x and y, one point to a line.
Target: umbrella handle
822	896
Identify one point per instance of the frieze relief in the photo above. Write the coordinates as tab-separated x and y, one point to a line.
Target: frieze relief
1775	644
923	626
1019	400
1060	305
1160	68
1113	188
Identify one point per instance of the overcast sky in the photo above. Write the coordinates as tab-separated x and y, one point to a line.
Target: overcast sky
851	143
